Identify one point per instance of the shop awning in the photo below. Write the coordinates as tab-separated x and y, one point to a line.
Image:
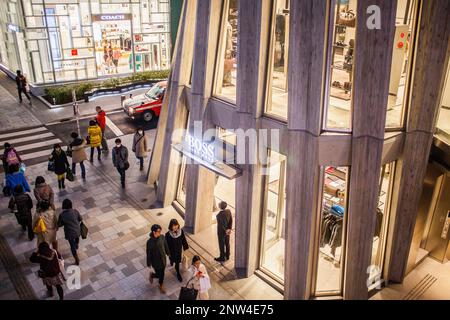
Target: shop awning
223	169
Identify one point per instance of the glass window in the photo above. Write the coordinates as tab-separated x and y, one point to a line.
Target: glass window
274	217
181	192
331	256
382	221
401	61
338	102
443	122
277	83
227	55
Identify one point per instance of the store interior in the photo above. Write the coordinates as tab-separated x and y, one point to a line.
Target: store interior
113	47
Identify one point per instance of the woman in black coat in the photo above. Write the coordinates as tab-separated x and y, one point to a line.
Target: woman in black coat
59	158
176	241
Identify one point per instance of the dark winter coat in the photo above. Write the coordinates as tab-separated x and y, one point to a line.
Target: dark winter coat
70	219
176	246
49	265
61	163
224	222
24	204
157	250
120	156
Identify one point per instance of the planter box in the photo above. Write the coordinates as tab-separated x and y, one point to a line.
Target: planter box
119	89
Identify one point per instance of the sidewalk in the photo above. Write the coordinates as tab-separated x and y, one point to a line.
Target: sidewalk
113	257
15	115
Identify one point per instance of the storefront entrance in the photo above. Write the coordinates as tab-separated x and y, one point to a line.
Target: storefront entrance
113	43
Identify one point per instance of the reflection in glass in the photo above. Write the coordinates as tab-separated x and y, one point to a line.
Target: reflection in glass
272	258
400	68
181	192
277	93
381	225
226	74
332	231
342	46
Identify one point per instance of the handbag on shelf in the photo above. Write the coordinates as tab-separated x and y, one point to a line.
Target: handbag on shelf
187	293
347	18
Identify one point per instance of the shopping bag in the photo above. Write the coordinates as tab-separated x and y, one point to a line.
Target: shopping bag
69	151
51	166
84	230
40	226
61	264
22	167
187	293
69	175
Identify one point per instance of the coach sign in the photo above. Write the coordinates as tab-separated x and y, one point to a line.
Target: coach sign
111	17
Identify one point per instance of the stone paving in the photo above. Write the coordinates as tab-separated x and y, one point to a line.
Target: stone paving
113	262
14	114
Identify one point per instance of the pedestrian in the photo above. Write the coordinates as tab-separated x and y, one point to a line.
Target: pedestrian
78	154
140	146
202	283
176	240
224	226
48	215
95	139
22	201
22	85
70	219
50	271
16	177
59	158
10	156
43	192
120	160
101	121
157	250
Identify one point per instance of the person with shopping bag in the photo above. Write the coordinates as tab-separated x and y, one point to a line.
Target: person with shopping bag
157	250
61	165
45	225
71	219
23	203
176	240
50	272
201	280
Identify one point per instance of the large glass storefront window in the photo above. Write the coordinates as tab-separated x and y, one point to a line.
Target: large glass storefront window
332	226
227	54
274	217
443	121
338	102
382	223
68	40
401	61
278	83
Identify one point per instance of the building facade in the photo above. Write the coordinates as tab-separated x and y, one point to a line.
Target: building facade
55	41
329	207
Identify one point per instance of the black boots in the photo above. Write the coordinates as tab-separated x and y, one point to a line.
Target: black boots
77	260
61	184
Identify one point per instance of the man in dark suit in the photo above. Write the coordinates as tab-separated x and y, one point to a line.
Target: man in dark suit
224	226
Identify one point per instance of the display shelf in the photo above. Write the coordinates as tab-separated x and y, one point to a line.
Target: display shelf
341	88
343	25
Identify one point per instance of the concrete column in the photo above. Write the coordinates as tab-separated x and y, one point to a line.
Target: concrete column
306	61
251	64
373	56
173	112
200	181
430	65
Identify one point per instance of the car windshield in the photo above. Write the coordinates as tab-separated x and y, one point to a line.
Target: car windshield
155	92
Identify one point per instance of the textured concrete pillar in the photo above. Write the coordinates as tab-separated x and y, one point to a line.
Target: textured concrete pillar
430	65
306	59
373	56
200	181
172	114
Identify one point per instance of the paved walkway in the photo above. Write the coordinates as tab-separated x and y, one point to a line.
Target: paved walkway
113	256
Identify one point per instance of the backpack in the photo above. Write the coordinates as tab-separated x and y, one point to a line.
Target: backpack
11	157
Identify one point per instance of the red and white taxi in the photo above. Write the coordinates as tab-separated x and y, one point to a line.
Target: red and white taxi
147	105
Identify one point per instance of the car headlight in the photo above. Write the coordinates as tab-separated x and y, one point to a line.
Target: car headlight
130	110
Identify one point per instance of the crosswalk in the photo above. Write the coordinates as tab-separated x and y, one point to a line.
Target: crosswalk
34	145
